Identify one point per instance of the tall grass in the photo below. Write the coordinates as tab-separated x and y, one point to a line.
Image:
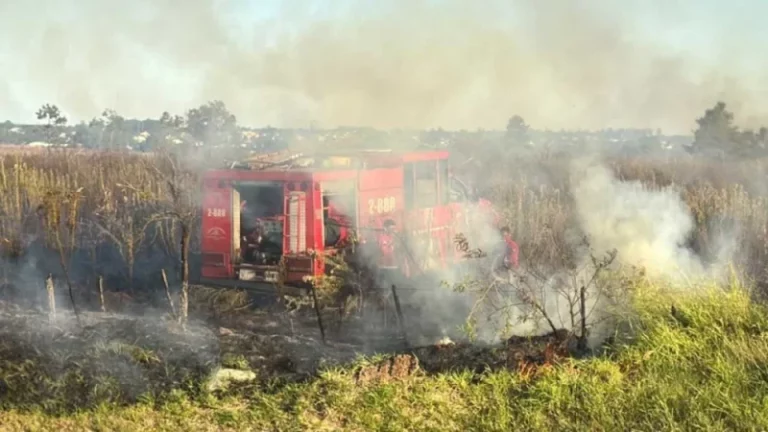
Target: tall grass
723	199
109	197
121	191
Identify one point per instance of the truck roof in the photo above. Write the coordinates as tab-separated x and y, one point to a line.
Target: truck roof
326	159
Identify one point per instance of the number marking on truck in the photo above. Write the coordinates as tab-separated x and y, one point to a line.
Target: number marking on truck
381	205
217	212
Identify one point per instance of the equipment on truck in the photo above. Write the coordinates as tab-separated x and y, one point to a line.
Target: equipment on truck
271	220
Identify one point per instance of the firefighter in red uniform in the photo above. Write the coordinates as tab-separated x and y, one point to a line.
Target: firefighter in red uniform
512	252
386	240
336	227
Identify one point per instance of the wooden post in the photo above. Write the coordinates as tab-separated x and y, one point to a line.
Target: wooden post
168	294
317	311
49	286
101	294
184	294
583	306
400	319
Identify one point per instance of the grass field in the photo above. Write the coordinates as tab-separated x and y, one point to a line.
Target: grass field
703	368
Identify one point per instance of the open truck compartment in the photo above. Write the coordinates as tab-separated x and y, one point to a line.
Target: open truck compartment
261	222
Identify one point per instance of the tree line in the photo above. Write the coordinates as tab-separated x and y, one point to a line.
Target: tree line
213	125
716	134
210	124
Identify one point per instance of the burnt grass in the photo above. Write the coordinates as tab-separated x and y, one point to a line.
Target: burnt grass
59	366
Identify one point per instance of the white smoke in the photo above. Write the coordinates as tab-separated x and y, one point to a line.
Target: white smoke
648	227
394	64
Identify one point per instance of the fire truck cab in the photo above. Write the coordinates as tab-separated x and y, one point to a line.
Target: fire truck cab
269	222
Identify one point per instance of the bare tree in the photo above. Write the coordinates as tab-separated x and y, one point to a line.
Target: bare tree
568	292
565	297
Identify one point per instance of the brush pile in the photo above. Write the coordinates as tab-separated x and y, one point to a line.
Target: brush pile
515	353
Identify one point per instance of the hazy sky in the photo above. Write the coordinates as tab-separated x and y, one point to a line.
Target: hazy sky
398	63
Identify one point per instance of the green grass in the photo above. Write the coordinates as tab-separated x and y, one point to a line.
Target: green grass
704	369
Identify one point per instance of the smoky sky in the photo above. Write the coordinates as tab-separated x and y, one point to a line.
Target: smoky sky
396	64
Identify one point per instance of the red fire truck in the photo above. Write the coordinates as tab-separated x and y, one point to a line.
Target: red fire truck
271	221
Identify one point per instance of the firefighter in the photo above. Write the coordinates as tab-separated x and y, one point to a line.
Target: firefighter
252	240
387	269
336	227
512	250
386	240
251	234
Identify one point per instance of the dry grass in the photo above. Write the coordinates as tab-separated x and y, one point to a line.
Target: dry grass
108	199
535	201
120	192
704	370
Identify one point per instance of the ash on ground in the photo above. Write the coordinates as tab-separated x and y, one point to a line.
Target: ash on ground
62	364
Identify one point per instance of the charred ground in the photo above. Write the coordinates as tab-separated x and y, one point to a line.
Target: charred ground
61	366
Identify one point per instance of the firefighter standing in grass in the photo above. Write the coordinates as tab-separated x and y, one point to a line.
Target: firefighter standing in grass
512	250
387	264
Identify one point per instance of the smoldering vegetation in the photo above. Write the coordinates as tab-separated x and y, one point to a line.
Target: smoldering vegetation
99	259
90	220
64	365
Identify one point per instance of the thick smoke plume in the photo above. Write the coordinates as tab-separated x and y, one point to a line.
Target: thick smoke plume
414	63
649	228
